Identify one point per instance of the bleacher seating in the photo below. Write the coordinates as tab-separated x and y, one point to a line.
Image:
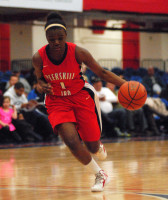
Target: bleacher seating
6	76
136	78
117	70
142	72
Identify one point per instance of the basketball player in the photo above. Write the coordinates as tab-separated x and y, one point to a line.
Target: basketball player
71	103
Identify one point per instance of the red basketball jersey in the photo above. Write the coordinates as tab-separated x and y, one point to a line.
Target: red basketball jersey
65	77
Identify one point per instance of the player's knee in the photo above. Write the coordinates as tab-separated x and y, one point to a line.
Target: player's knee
93	148
71	143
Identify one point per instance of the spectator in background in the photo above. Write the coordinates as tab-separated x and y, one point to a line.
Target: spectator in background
164	93
6	85
136	120
155	107
17	96
8	131
107	98
12	81
89	74
152	83
19	100
26	84
31	77
38	95
31	114
83	69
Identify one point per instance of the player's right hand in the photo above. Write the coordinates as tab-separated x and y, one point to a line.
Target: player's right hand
47	88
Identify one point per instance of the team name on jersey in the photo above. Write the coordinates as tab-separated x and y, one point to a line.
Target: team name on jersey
60	76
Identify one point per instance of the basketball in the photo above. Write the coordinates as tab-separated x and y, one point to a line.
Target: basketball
132	95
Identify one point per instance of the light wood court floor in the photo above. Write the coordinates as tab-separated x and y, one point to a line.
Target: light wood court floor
138	171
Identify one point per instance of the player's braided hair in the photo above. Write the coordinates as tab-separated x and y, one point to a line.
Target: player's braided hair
54	20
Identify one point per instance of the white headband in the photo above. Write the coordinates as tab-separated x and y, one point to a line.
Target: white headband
52	25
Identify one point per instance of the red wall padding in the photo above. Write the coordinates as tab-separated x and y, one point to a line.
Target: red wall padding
130	48
138	6
98	23
4	47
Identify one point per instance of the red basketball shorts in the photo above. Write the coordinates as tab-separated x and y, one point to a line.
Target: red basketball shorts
81	108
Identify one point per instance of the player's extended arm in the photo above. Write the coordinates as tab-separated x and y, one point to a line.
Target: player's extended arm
82	55
38	65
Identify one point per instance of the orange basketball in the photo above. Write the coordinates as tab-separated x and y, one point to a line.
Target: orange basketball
132	95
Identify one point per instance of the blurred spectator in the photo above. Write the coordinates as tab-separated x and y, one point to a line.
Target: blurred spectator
6	85
151	121
89	74
26	84
155	106
83	69
38	95
164	93
31	77
40	123
106	98
40	120
152	83
136	120
17	96
12	81
31	114
19	100
8	131
26	130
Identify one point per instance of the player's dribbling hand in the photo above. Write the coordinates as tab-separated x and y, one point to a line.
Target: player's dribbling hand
47	88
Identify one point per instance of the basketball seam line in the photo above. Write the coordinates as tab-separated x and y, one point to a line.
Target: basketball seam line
140	98
132	103
126	99
134	95
124	96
